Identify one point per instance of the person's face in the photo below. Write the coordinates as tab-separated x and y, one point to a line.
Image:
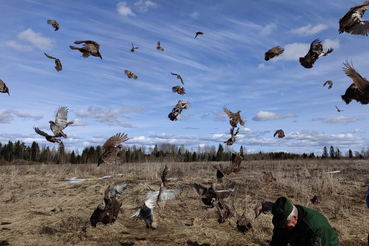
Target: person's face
290	224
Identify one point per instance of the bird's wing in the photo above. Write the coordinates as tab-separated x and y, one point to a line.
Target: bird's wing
228	112
224	193
366	3
49	56
242	123
361	28
115	140
50	22
186	105
61	118
117	189
2	84
238	129
127	72
176	88
134	76
174	74
180	77
158	43
88	42
276	132
42	133
361	82
201	190
170	194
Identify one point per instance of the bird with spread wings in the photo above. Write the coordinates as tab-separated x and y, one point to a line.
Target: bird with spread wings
54	24
110	148
89	48
235	118
352	22
178	77
158	47
273	52
330	83
60	123
3	87
315	51
48	137
58	65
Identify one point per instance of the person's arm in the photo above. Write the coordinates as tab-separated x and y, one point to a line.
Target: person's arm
278	238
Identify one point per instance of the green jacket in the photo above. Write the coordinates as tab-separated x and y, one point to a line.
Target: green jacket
312	229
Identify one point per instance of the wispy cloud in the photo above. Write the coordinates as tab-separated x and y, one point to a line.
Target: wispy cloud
79	122
36	39
124	10
339	120
107	115
268	29
20	47
143	6
309	29
262	66
8	115
194	15
294	51
219	115
264	116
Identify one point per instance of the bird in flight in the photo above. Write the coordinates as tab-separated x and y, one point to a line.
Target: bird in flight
235	118
273	52
58	65
180	90
330	83
110	148
315	51
159	47
198	33
3	87
339	110
133	48
60	123
280	133
178	77
130	74
89	48
352	22
54	24
48	137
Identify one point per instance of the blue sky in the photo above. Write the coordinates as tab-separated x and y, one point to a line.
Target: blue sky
223	67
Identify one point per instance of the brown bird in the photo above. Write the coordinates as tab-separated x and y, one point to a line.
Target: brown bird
243	224
180	90
49	138
359	89
133	48
159	47
218	210
207	194
339	110
273	52
3	87
178	109
233	168
268	177
280	133
315	51
316	199
198	33
89	48
263	207
178	77
330	83
231	140
110	148
60	123
54	24
58	65
108	214
236	161
352	22
170	175
130	74
235	118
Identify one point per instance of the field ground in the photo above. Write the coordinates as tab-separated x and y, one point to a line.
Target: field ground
38	208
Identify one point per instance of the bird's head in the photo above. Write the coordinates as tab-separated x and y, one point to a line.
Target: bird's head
51	122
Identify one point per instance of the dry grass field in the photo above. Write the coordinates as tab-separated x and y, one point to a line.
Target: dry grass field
38	208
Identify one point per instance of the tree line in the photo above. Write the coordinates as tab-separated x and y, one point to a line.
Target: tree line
58	154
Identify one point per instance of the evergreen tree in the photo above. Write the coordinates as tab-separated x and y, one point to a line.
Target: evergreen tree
332	153
337	154
241	151
35	151
350	154
73	157
325	153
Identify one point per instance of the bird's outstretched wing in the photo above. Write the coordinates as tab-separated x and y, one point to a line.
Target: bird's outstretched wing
361	82
117	189
42	133
61	118
201	190
49	56
115	140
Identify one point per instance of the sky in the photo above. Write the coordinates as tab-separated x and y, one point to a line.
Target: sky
224	67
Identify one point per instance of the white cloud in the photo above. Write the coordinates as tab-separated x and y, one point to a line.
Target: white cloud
205	115
264	116
8	115
268	29
79	122
338	120
220	115
294	51
124	10
21	47
107	115
143	6
262	66
124	124
195	14
329	43
309	29
36	39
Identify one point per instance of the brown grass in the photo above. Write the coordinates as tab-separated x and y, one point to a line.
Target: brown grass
37	208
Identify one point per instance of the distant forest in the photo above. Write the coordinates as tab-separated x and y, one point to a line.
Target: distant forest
17	152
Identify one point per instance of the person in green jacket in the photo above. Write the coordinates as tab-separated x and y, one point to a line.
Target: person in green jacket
300	226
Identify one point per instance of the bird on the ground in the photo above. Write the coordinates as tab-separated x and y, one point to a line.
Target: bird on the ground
60	123
170	175
146	213
108	214
235	118
315	200
180	90
163	195
339	110
3	87
207	194
280	133
330	83
198	33
273	52
58	65
110	148
133	48
315	51
236	161
243	223
54	24
263	207
89	48
178	109
268	177
359	89
352	22
48	137
232	139
218	210
178	77
158	47
130	74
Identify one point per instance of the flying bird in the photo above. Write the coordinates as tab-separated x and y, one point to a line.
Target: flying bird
178	109
339	110
352	22
263	207
170	175
58	65
207	194
235	118
315	51
89	48
110	148
198	33
273	52
231	140
233	168
146	213
359	89
280	133
133	48
330	83
108	214
163	195
159	47
218	210
130	74
178	77
54	24
3	87
60	123
49	138
180	90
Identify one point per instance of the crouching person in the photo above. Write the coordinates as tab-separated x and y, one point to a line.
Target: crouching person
300	226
